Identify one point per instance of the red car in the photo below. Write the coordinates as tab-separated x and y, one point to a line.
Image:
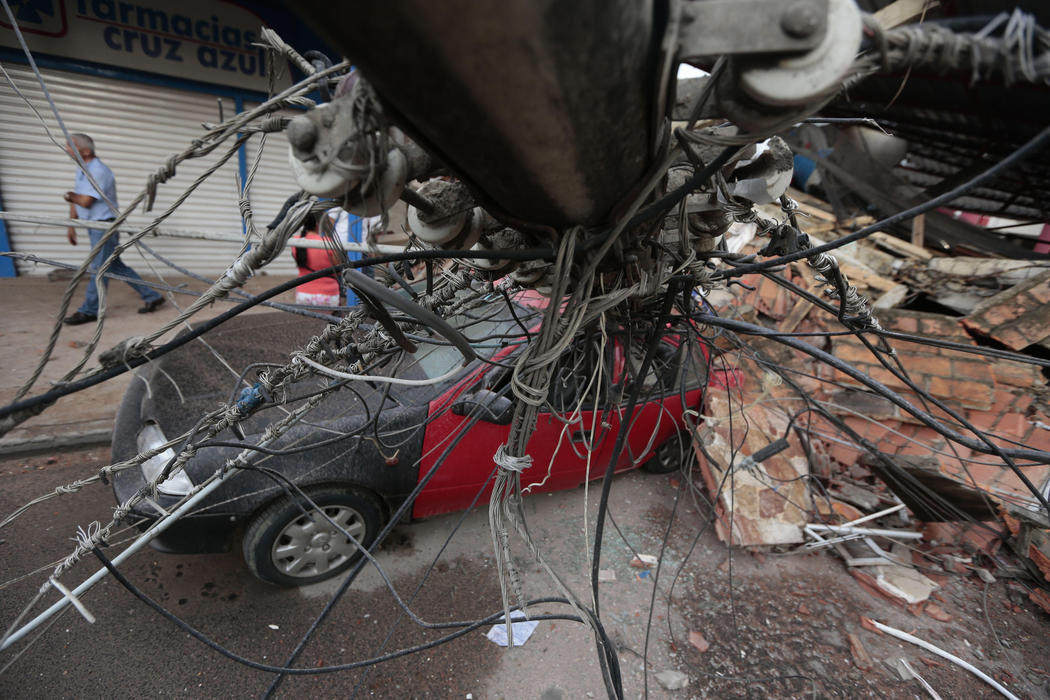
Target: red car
366	448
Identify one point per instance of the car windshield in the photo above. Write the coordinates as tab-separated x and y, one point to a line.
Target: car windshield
489	329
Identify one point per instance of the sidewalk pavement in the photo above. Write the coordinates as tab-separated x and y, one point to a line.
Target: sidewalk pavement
28	308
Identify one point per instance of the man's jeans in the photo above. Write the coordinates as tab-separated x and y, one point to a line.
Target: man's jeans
90	305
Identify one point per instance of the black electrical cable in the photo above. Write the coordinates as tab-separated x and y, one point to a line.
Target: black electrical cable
901	373
426	574
293	671
896	335
362	283
930	499
621	438
53	395
927	419
1032	146
670	199
395	518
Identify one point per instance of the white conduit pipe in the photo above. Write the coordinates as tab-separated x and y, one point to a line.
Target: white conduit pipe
143	539
871	532
376	377
945	655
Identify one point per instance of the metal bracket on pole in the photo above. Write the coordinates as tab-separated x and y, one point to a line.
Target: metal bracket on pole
716	27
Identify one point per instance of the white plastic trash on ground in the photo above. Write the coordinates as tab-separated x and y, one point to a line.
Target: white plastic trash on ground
521	630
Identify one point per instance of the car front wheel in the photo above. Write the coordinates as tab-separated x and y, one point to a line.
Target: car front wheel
285	546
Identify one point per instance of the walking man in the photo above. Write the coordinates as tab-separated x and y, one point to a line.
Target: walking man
87	203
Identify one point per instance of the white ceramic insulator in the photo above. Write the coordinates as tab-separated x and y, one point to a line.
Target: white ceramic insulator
391	185
329	182
437	232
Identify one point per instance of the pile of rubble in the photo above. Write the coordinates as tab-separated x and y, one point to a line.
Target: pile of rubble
916	508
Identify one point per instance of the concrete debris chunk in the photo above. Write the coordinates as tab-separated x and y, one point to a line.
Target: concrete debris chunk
1017	317
672	680
899	668
904	583
766	510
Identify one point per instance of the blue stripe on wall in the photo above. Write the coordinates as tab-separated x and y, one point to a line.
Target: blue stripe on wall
242	159
7	265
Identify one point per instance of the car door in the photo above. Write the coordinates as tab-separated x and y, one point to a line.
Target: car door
574	435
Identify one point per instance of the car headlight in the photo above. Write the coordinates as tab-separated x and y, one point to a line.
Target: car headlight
150	438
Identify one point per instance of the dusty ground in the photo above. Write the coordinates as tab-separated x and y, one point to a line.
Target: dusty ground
777	626
29	305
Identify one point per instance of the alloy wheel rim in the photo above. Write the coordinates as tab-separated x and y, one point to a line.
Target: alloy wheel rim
310	546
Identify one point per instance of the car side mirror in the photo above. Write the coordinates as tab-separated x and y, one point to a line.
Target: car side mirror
487	405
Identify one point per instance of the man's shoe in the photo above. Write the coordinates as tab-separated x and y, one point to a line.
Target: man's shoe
152	305
78	318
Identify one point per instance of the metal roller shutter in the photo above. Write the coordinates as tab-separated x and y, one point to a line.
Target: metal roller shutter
135	128
272	185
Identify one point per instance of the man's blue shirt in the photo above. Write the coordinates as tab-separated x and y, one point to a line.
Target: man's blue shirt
104	177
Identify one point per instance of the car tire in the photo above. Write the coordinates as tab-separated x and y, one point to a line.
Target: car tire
668	457
286	547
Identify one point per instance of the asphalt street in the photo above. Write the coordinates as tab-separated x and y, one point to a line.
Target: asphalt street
769	626
131	651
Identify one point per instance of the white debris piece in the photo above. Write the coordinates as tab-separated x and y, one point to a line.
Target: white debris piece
672	680
521	630
904	582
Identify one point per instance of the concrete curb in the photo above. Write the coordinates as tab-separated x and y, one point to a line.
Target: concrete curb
45	443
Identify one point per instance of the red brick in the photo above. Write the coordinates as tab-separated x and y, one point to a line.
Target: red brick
1040	598
903	323
1009	482
884	376
844	454
976	475
926	364
771	299
1041	292
861	658
1021	402
1016	374
858	423
1038	439
1022	331
954	459
1015	317
977	370
939	326
994	316
1009	401
976	537
938	613
1040	559
851	352
982	420
1013	425
868	583
969	394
